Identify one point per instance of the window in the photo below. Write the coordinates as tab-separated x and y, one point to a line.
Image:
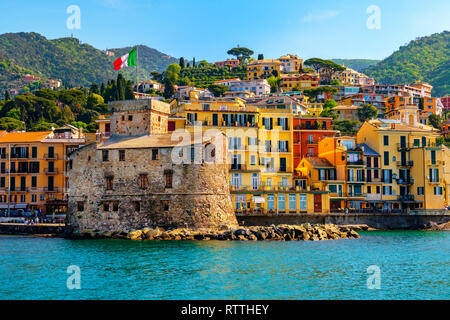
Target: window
252	160
433	157
105	155
165	205
386	140
252	141
109	183
281	201
2	182
332	188
292	202
121	155
236	180
369	189
34	198
434	175
34	152
143	181
438	191
168	177
137	206
130	118
270	202
302	198
420	191
115	206
155	154
105	206
386	158
34	182
80	205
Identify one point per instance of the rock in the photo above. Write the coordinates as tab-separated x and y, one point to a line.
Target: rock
135	235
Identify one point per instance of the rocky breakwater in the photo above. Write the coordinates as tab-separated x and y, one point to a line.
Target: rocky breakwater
255	233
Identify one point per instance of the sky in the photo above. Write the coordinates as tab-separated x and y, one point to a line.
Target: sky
207	29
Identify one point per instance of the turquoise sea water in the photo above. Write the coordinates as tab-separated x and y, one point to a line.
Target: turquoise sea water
413	264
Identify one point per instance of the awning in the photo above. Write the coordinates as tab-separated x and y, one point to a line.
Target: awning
258	199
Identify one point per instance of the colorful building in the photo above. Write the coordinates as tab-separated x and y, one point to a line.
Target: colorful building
232	63
262	69
345	112
412	164
33	169
291	63
307	133
299	81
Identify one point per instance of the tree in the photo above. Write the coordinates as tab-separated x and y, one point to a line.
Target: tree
129	93
241	53
274	83
181	63
217	90
43	126
314	92
193	63
326	68
94	88
260	56
10	124
366	112
328	109
435	121
7	96
346	127
169	89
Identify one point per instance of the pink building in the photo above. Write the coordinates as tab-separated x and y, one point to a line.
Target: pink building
230	62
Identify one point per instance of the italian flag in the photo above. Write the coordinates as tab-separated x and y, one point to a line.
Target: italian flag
127	60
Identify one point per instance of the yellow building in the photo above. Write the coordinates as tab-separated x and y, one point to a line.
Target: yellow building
447	175
261	69
350	77
291	63
260	146
412	164
345	112
33	168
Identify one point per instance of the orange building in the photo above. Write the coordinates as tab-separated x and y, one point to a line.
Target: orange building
445	128
33	168
306	136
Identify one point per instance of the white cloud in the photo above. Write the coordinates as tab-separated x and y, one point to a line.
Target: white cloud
320	15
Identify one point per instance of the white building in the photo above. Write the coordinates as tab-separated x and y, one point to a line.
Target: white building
258	87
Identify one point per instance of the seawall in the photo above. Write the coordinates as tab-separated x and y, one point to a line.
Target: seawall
377	221
18	228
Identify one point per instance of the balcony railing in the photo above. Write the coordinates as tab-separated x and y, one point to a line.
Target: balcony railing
406	181
54	189
51	171
51	156
409	163
406	197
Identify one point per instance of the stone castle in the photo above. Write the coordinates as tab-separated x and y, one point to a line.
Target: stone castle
143	177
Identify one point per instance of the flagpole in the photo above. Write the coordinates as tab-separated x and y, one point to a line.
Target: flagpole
137	82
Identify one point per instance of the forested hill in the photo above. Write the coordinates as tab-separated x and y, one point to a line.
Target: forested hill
356	64
67	59
426	59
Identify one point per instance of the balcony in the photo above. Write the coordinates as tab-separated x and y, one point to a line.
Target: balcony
406	197
54	189
355	163
373	196
51	156
409	163
405	181
51	171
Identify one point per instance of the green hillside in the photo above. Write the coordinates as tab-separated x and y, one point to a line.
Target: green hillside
356	64
426	59
67	59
